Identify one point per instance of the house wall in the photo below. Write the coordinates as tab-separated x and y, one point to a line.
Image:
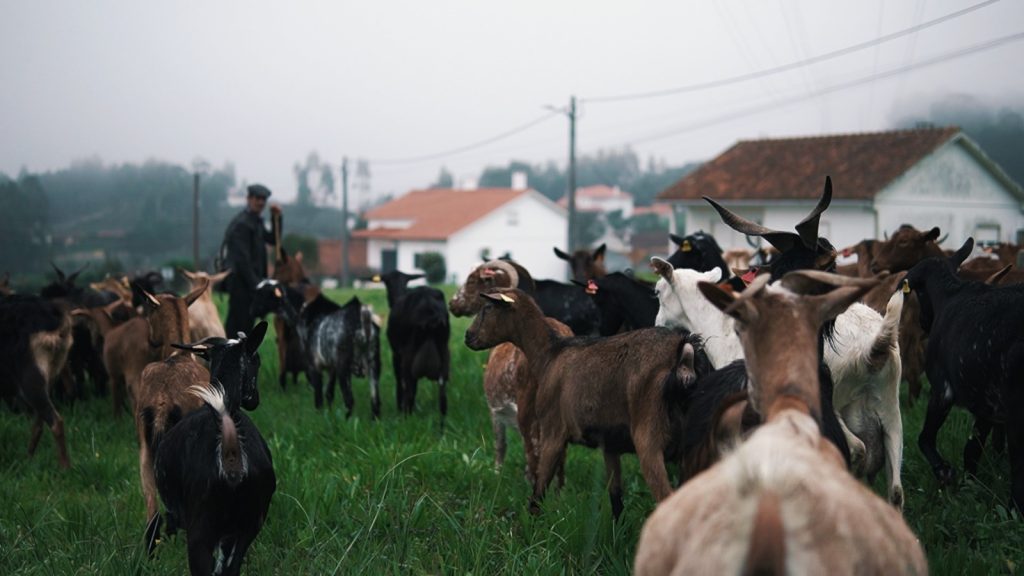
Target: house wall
527	227
407	251
951	190
607	205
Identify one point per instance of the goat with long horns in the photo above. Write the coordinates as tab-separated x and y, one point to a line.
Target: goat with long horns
802	249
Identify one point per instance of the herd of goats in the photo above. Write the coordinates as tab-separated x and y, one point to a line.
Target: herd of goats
773	386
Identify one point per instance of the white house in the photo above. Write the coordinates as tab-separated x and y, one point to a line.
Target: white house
923	177
464	226
601	198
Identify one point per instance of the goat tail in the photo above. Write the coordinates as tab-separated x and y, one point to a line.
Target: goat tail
888	335
680	379
767	551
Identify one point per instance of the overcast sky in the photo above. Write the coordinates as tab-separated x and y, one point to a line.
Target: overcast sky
261	84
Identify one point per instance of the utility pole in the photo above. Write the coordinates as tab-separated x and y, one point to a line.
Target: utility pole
572	174
344	222
195	221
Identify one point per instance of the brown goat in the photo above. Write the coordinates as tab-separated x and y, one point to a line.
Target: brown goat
128	348
585	264
204	320
783	501
609	392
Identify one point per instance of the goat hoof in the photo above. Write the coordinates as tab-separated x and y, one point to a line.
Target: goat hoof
945	474
896	497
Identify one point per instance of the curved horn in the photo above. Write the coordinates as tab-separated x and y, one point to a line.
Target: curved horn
808	281
885	234
808	227
998	275
781	240
943	239
201	285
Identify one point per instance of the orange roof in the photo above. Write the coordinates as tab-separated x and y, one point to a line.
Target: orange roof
598	192
437	213
861	165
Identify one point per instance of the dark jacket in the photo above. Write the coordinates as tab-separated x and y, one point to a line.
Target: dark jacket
245	251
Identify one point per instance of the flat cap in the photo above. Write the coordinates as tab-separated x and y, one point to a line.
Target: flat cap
259	190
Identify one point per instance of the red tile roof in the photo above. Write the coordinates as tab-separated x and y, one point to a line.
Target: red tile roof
860	165
437	213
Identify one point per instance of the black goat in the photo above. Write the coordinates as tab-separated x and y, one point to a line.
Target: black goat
345	341
975	359
700	251
570	305
35	335
624	302
719	415
273	296
213	469
418	332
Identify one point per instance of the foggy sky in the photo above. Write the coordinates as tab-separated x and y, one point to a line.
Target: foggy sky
261	84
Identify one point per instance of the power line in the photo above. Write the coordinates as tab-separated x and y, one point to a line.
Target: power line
468	147
792	65
829	89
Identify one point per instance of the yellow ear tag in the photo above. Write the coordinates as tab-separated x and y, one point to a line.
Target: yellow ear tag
906	287
507	298
685	246
376	278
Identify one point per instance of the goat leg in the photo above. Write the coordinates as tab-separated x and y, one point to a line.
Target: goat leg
332	380
939	404
57	429
552	453
1015	439
652	463
316	381
613	475
346	389
893	440
976	444
35	435
442	399
500	441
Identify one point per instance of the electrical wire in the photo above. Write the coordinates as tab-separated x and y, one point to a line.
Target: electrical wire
790	66
468	147
835	88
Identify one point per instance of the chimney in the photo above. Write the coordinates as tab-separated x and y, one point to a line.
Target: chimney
467	183
519	180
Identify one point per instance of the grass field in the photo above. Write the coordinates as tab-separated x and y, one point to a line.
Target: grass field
397	496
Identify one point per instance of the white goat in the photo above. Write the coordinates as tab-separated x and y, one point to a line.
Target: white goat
783	502
204	321
863	356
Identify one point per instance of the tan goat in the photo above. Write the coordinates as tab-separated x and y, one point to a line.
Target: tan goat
128	348
783	501
204	321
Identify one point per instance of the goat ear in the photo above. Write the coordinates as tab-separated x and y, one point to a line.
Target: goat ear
255	337
663	268
187	273
599	253
835	302
197	291
932	234
500	298
719	297
960	255
675	238
816	281
150	301
714	275
808	227
219	276
561	254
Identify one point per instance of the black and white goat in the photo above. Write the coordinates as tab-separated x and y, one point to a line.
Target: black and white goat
344	341
418	332
213	469
975	359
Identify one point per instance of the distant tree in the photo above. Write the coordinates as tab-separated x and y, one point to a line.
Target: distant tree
304	196
24	225
327	182
590	228
433	265
999	131
444	179
308	245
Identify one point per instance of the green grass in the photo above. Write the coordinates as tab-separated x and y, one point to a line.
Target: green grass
397	496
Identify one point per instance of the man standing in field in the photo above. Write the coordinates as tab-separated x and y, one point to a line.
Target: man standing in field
244	252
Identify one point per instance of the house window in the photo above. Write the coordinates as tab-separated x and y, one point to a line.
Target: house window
417	261
986	234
